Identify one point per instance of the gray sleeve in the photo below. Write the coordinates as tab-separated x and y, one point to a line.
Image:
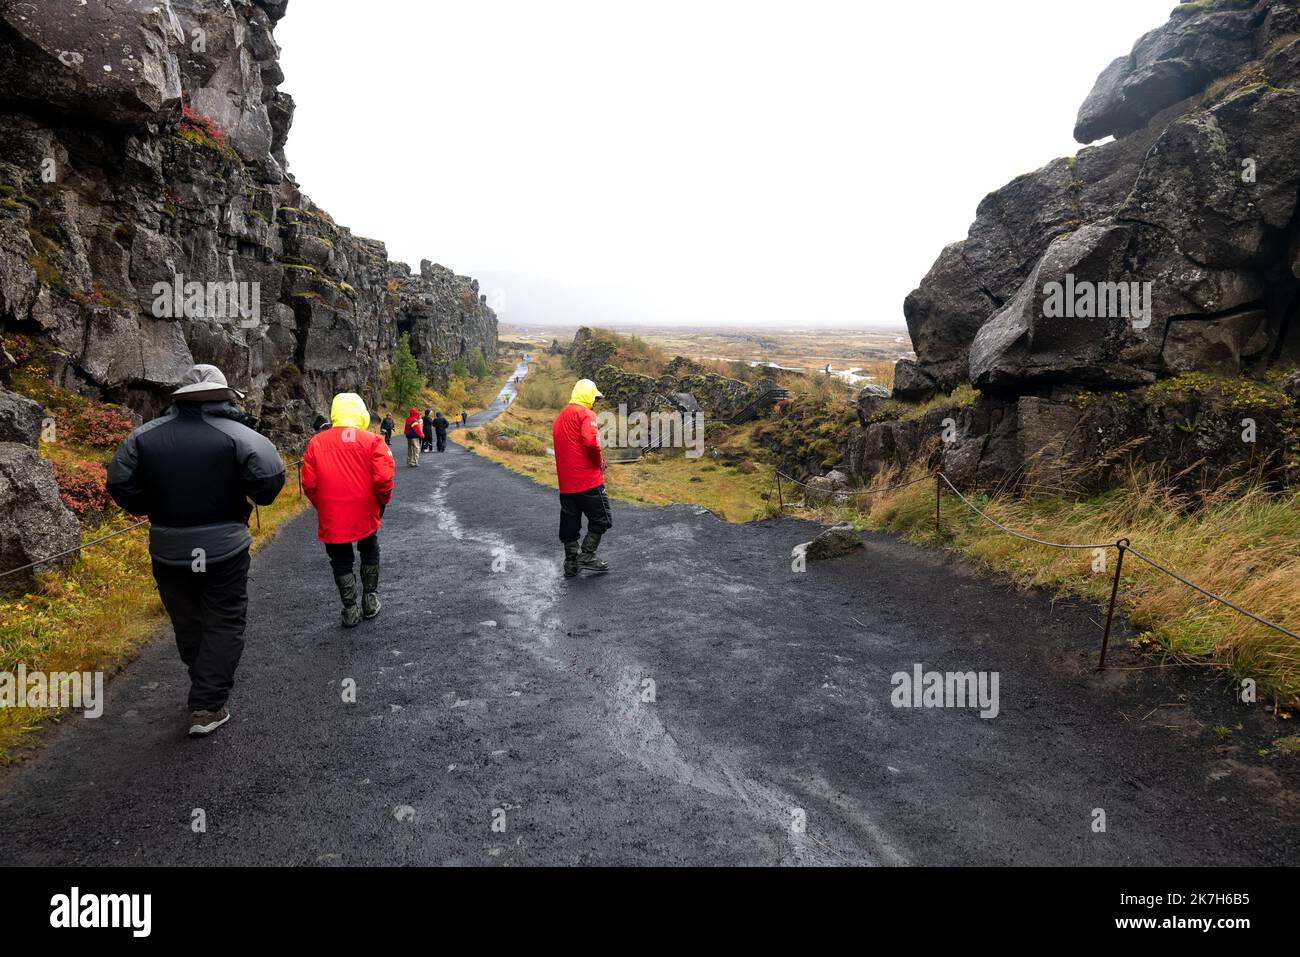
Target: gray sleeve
124	479
262	470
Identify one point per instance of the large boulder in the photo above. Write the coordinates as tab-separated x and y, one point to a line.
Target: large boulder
34	522
943	314
1120	285
1222	182
836	541
829	489
111	60
1171	63
20	419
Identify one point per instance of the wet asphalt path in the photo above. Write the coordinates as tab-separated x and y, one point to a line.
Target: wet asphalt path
499	403
491	691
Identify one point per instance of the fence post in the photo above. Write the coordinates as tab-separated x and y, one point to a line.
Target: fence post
938	493
779	497
1114	593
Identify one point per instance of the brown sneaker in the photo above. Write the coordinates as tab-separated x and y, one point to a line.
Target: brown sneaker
205	722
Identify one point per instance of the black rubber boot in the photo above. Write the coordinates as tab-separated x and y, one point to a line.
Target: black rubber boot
570	559
587	559
347	585
370	591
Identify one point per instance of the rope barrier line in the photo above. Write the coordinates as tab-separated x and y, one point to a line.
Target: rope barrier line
1029	538
865	491
121	531
1209	594
64	554
1122	545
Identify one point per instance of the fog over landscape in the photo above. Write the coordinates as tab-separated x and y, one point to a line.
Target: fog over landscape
720	164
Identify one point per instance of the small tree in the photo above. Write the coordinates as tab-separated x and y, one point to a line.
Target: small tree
404	380
480	367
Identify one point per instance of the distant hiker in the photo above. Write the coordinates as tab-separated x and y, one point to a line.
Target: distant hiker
580	467
414	437
386	427
426	444
192	471
464	417
440	427
320	424
347	473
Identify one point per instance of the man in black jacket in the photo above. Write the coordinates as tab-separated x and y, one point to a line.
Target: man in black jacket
440	427
427	421
192	471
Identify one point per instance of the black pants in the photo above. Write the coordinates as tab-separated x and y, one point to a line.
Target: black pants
208	610
442	441
341	554
593	504
388	436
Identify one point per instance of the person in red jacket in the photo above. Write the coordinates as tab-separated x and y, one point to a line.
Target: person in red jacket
414	438
580	467
347	473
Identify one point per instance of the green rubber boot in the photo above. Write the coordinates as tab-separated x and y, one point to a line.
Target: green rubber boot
570	559
370	591
348	592
587	559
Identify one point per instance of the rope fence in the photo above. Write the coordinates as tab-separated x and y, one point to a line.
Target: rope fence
1122	546
130	528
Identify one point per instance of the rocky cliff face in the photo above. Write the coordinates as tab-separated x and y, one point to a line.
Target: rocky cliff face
142	147
1167	252
683	384
446	317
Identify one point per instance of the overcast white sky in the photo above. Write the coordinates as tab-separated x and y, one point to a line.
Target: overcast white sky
706	163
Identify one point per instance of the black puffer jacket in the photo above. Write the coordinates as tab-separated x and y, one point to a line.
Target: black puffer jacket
192	472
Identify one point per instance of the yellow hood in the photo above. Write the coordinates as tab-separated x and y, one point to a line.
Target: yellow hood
349	411
585	393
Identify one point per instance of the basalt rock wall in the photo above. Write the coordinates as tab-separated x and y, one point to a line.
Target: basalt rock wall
148	221
1182	240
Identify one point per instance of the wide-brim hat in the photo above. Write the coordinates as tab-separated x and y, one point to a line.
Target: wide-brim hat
205	383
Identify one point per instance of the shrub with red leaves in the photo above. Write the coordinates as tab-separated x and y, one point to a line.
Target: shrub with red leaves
194	122
99	427
82	488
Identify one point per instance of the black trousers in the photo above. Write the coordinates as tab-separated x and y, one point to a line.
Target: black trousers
341	554
593	504
442	441
208	610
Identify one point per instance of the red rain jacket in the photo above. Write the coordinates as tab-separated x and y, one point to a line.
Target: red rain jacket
347	473
579	464
413	429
